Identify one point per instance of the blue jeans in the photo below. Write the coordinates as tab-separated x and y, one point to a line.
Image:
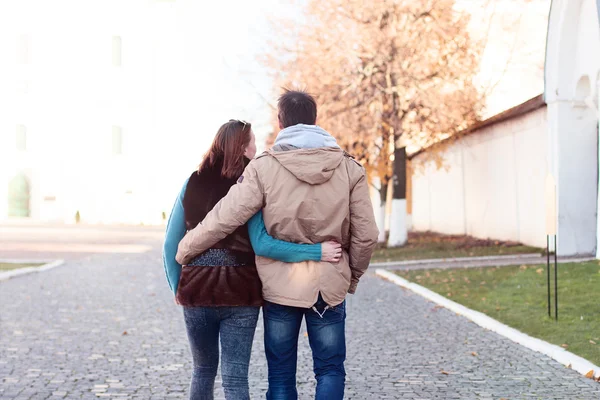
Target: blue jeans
326	334
236	326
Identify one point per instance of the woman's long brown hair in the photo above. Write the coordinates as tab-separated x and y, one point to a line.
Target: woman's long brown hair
229	145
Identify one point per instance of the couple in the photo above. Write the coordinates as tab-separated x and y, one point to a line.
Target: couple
292	230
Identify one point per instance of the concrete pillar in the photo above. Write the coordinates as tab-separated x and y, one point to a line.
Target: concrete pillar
598	128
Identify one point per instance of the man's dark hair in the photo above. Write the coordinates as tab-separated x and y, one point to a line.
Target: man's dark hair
296	107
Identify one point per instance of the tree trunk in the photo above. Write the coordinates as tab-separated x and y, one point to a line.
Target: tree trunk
380	214
398	231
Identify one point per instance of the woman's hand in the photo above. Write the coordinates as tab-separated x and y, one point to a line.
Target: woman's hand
331	251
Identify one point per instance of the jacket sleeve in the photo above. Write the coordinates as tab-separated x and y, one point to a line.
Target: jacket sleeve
175	232
363	230
265	245
243	201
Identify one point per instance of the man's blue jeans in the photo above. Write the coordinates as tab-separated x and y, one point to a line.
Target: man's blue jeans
326	334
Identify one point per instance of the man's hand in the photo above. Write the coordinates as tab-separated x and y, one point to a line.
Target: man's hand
331	252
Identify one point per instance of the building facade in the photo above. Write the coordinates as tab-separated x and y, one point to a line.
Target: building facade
494	183
111	105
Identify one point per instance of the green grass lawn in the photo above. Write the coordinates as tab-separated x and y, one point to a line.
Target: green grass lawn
9	266
517	296
430	245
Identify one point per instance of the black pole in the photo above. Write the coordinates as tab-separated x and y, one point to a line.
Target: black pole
555	280
548	272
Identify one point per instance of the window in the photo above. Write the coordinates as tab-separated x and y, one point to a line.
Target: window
116	51
117	140
21	138
23	49
19	193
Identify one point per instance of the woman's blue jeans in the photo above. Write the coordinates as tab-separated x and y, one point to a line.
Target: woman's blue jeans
235	326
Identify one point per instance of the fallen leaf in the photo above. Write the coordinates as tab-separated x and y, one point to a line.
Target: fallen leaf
590	374
125	333
592	342
445	373
474	354
564	345
539	270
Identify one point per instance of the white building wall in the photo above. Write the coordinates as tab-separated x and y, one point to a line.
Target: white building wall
175	86
572	66
491	185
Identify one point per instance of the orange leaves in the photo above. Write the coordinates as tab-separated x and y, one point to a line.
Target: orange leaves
590	374
376	82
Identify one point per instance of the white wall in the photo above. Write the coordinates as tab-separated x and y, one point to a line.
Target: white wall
491	185
572	67
187	67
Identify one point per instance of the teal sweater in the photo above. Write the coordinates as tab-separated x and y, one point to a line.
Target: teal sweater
263	244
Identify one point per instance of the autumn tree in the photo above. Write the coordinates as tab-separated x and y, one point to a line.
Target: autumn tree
386	73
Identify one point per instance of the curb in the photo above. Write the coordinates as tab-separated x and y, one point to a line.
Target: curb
557	353
455	259
29	270
485	261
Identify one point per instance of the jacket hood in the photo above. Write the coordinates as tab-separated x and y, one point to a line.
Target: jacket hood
305	137
313	166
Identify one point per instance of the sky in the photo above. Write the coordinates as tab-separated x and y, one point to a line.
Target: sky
512	67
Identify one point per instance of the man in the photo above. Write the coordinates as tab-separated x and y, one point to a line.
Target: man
310	192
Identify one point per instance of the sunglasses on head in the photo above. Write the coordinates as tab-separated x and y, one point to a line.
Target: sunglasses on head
244	123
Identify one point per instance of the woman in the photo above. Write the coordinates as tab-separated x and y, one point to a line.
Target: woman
220	290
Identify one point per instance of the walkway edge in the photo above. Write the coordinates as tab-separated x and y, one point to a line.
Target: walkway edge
518	259
29	270
455	259
557	353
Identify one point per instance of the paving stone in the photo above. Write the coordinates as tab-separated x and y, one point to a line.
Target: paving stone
107	326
